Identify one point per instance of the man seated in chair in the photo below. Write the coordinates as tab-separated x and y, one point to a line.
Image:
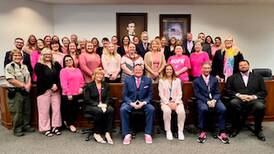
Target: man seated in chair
137	94
247	92
207	93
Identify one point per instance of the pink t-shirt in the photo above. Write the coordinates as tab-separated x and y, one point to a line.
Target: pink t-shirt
88	63
34	57
71	81
196	60
178	62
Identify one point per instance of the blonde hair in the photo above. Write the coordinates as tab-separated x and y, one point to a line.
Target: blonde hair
109	55
42	56
14	51
158	44
234	46
97	71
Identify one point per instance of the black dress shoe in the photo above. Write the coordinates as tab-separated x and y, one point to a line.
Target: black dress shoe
260	136
234	133
28	129
18	134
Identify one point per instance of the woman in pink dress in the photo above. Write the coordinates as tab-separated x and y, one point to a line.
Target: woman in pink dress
35	55
197	58
180	63
56	52
89	61
154	61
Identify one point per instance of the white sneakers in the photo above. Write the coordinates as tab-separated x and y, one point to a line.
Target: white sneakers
169	135
181	136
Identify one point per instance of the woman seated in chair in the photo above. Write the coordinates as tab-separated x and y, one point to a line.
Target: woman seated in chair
97	98
170	92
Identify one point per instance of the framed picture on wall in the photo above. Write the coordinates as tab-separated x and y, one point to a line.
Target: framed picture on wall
130	24
175	25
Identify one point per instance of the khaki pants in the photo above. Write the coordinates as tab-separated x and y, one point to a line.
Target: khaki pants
20	109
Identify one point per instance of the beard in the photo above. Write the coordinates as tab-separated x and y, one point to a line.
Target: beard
244	71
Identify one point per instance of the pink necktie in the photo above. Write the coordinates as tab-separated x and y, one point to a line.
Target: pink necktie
138	82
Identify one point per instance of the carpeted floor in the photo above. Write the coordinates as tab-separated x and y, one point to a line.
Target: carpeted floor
68	143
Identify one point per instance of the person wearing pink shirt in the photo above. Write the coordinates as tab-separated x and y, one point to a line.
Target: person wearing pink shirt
72	82
180	63
89	61
197	58
35	55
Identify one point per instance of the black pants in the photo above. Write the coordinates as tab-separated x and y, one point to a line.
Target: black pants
70	108
238	108
102	120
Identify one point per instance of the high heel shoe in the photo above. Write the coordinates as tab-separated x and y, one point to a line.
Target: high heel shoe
99	139
109	139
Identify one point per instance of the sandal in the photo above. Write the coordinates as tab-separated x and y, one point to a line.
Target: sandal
48	133
109	139
72	129
99	139
56	131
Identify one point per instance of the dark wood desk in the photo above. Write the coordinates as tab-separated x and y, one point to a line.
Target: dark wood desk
116	91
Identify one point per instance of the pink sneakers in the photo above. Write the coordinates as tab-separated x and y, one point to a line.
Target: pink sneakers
148	139
127	139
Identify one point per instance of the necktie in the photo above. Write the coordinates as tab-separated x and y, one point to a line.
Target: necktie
138	83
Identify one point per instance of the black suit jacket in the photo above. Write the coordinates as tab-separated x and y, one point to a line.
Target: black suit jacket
121	51
26	60
141	49
207	48
91	94
99	51
255	86
167	52
218	63
187	52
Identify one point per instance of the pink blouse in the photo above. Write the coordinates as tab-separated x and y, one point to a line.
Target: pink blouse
178	62
71	81
34	57
196	61
88	63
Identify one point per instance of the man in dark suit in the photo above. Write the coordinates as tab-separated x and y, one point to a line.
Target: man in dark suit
207	93
188	44
137	94
247	93
19	44
143	46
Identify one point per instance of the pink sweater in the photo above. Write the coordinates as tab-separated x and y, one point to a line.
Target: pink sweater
178	62
71	81
88	63
34	57
196	60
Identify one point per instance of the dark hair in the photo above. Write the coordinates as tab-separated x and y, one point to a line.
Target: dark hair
47	36
217	38
208	36
124	38
55	42
169	41
244	60
64	62
18	38
164	72
105	39
42	41
96	39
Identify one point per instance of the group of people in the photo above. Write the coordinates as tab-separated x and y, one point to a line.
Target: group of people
80	69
